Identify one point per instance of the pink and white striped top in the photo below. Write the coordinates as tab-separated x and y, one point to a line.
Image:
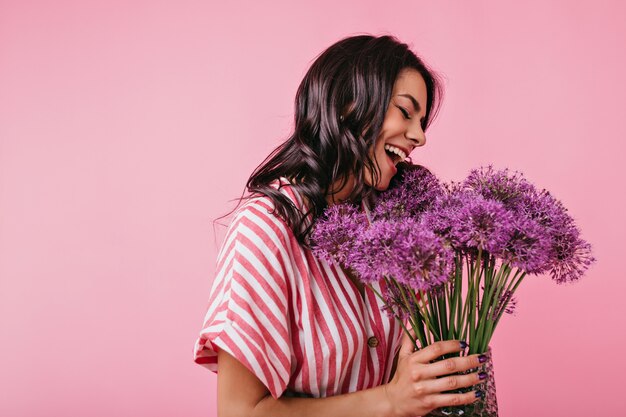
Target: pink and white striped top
297	322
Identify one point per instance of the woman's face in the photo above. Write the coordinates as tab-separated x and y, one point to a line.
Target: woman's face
400	134
402	127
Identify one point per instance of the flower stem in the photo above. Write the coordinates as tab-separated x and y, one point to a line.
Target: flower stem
512	291
492	284
379	295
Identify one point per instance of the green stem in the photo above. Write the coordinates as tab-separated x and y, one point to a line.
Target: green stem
443	314
473	300
491	287
424	311
459	295
464	322
432	315
499	284
452	291
412	320
419	321
519	281
379	295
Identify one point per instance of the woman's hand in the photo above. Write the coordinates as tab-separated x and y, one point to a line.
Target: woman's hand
415	388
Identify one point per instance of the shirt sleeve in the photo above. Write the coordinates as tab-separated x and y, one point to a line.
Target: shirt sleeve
249	304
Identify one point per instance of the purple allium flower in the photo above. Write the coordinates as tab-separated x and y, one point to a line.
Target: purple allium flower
507	302
333	236
528	247
442	214
545	209
567	256
500	185
544	236
571	255
397	304
470	221
403	250
408	195
482	224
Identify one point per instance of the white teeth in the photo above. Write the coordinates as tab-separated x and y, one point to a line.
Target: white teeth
395	150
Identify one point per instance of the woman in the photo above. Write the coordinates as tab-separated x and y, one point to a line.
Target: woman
284	325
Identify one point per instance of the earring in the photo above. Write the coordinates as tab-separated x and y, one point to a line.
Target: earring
341	118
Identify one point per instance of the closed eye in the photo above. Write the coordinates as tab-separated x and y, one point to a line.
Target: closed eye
404	112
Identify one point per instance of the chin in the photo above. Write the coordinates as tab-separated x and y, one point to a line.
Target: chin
382	184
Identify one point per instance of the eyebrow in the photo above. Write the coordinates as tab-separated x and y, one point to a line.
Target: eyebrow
416	104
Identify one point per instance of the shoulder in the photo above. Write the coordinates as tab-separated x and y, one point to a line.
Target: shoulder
262	208
258	221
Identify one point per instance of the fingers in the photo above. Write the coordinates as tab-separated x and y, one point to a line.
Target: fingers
437	349
451	366
416	378
443	400
435	386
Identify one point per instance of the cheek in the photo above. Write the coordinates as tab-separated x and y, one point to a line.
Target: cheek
379	151
378	155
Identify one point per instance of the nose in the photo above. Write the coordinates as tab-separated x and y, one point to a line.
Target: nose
416	135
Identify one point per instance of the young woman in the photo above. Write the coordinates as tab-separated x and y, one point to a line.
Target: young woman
288	333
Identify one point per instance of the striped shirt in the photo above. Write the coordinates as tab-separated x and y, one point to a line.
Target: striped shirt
295	321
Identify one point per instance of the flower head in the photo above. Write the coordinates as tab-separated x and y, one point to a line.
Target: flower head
482	225
506	303
500	185
469	221
399	302
403	250
571	255
567	256
442	214
333	236
409	194
543	236
528	247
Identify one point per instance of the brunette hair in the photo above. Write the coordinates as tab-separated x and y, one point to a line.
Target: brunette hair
340	106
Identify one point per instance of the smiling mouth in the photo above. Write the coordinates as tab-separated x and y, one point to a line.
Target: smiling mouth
395	154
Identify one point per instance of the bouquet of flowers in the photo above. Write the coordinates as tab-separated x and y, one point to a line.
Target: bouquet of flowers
453	254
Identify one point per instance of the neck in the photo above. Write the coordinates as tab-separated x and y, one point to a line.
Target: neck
339	194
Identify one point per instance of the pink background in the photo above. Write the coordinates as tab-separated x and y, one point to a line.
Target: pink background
126	128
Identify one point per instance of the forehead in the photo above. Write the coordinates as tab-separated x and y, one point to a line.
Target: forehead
409	81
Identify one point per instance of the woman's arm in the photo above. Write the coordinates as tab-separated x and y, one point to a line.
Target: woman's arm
414	389
241	394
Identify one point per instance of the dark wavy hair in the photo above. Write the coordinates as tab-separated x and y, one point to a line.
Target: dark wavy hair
340	106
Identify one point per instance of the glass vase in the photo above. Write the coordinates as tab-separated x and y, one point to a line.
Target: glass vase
486	406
